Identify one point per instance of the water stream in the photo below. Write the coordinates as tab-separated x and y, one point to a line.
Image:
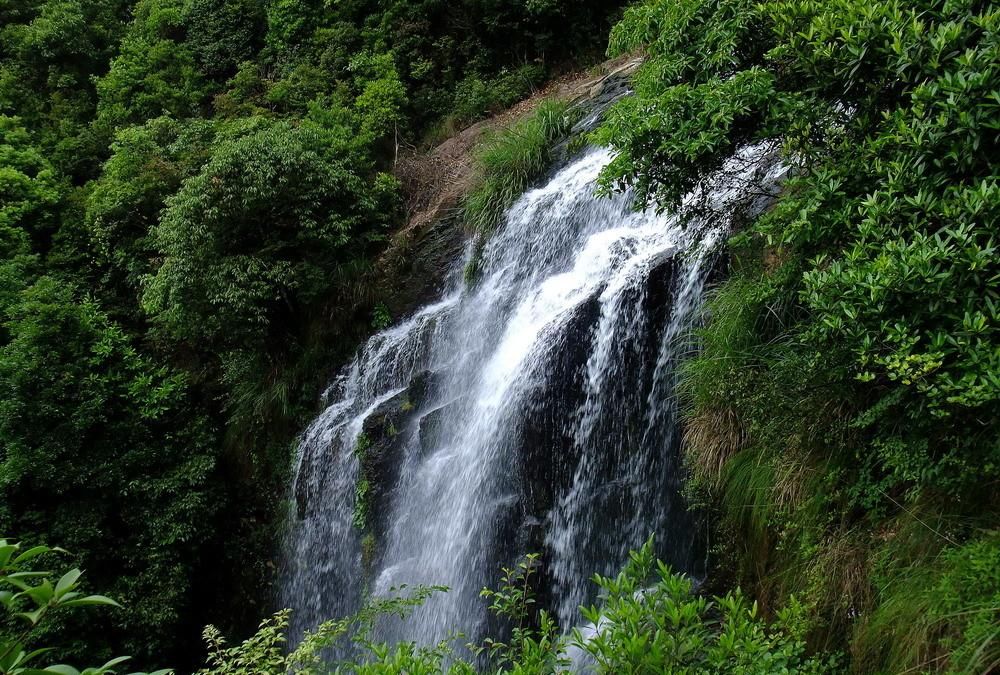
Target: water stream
532	410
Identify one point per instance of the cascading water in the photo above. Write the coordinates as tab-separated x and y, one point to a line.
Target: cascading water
530	411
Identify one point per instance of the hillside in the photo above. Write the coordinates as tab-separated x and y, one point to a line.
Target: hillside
305	301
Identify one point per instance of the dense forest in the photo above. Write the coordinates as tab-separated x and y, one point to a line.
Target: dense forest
192	194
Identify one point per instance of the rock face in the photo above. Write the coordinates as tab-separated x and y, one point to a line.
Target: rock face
387	436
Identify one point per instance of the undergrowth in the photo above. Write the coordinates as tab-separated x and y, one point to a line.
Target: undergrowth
843	416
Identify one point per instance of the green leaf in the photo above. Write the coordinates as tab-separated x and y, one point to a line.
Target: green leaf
32	553
61	669
34	616
42	593
67	582
6	551
90	600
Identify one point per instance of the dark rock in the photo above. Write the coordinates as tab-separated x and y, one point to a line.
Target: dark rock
429	426
382	446
548	453
417	265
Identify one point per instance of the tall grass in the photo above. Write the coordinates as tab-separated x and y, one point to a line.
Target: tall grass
939	602
509	160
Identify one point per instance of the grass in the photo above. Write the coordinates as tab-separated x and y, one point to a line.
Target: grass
711	437
938	608
511	159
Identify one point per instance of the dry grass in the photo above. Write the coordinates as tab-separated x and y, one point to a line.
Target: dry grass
710	438
841	578
434	181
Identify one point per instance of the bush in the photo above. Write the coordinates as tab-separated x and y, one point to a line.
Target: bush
475	98
850	371
30	597
249	242
651	621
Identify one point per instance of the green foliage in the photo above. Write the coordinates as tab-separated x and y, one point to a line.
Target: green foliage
362	504
223	33
381	318
29	595
30	192
49	52
249	241
662	626
265	652
534	645
149	79
510	159
103	451
461	58
475	98
850	369
936	608
694	94
649	621
148	163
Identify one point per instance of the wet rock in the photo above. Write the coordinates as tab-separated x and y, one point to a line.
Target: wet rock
430	426
548	454
382	445
661	291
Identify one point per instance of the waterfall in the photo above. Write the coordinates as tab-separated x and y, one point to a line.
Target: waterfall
531	410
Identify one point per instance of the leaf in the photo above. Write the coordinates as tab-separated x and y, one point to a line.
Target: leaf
32	655
61	669
67	582
90	600
12	652
6	551
114	662
34	616
32	553
42	593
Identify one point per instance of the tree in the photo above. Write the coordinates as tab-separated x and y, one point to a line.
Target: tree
249	243
148	164
104	451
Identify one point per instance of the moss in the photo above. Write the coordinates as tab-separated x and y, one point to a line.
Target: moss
362	504
362	444
368	551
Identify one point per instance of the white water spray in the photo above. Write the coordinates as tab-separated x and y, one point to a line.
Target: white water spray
544	419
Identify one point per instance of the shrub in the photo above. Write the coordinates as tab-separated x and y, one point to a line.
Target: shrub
475	97
649	621
659	625
30	597
854	350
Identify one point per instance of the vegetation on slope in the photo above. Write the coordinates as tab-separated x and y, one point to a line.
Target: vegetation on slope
843	415
190	195
509	160
191	192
